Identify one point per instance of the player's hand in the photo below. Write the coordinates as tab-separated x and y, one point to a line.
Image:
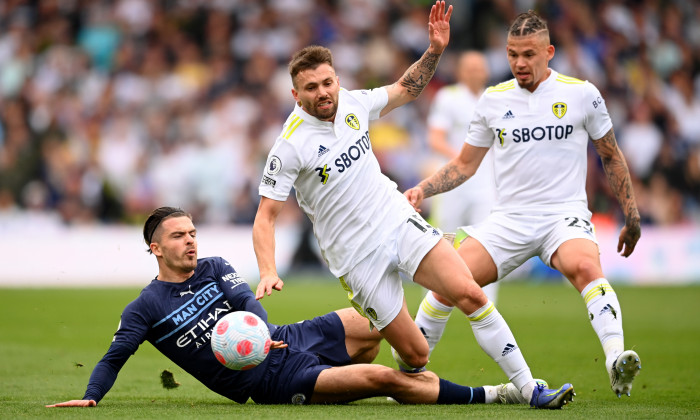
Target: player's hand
75	403
628	238
277	345
415	197
266	285
439	26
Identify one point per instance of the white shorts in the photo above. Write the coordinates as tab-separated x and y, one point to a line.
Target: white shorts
374	285
512	239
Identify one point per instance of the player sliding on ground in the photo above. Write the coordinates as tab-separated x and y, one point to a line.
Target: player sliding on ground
366	229
538	125
323	360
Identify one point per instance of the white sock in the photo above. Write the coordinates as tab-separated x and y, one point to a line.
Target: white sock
432	319
495	338
491	291
527	390
606	317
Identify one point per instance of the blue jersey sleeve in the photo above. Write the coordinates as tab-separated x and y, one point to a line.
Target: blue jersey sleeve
129	336
106	370
237	291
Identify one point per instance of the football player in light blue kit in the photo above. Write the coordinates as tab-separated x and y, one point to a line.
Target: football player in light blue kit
367	231
538	126
322	360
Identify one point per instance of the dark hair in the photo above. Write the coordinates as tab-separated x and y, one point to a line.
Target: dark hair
309	58
156	218
528	23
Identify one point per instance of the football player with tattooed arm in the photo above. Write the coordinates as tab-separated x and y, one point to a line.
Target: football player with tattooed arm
538	125
323	360
367	231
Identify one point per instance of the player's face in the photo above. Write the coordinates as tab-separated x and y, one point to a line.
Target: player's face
529	57
317	92
473	71
177	244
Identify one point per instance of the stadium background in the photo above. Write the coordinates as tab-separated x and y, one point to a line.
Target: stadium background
111	108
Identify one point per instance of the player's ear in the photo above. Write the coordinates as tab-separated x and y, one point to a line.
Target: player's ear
295	94
550	52
155	249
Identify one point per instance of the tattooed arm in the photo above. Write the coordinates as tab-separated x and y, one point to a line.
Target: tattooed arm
619	179
450	176
411	84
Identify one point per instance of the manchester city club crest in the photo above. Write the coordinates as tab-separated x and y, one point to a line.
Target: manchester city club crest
352	121
559	109
298	399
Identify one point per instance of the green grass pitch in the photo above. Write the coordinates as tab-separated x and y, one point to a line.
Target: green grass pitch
50	340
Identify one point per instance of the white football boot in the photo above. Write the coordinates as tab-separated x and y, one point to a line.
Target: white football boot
623	371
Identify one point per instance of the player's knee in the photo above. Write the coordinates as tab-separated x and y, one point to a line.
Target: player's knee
404	386
442	299
585	271
385	379
468	295
372	352
394	382
415	358
367	353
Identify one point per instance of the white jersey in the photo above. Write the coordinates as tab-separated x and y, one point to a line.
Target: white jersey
540	141
451	111
338	182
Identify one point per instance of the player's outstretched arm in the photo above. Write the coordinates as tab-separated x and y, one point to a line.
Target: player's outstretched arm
75	403
621	184
414	80
264	246
450	176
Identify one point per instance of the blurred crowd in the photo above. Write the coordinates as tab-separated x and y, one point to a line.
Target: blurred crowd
110	108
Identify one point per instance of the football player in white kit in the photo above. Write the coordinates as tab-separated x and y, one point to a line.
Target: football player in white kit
538	125
448	122
471	202
366	229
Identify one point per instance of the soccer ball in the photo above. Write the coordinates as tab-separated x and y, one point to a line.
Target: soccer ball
240	340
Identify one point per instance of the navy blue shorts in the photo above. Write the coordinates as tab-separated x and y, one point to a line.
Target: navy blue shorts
313	346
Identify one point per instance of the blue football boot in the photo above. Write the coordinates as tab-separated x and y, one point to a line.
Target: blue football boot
551	398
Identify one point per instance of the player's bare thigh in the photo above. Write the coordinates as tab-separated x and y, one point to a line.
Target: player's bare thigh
443	271
361	343
579	261
479	261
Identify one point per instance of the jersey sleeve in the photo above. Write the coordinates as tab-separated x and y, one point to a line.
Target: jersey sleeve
281	171
597	121
105	372
373	99
439	115
237	291
480	134
129	336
